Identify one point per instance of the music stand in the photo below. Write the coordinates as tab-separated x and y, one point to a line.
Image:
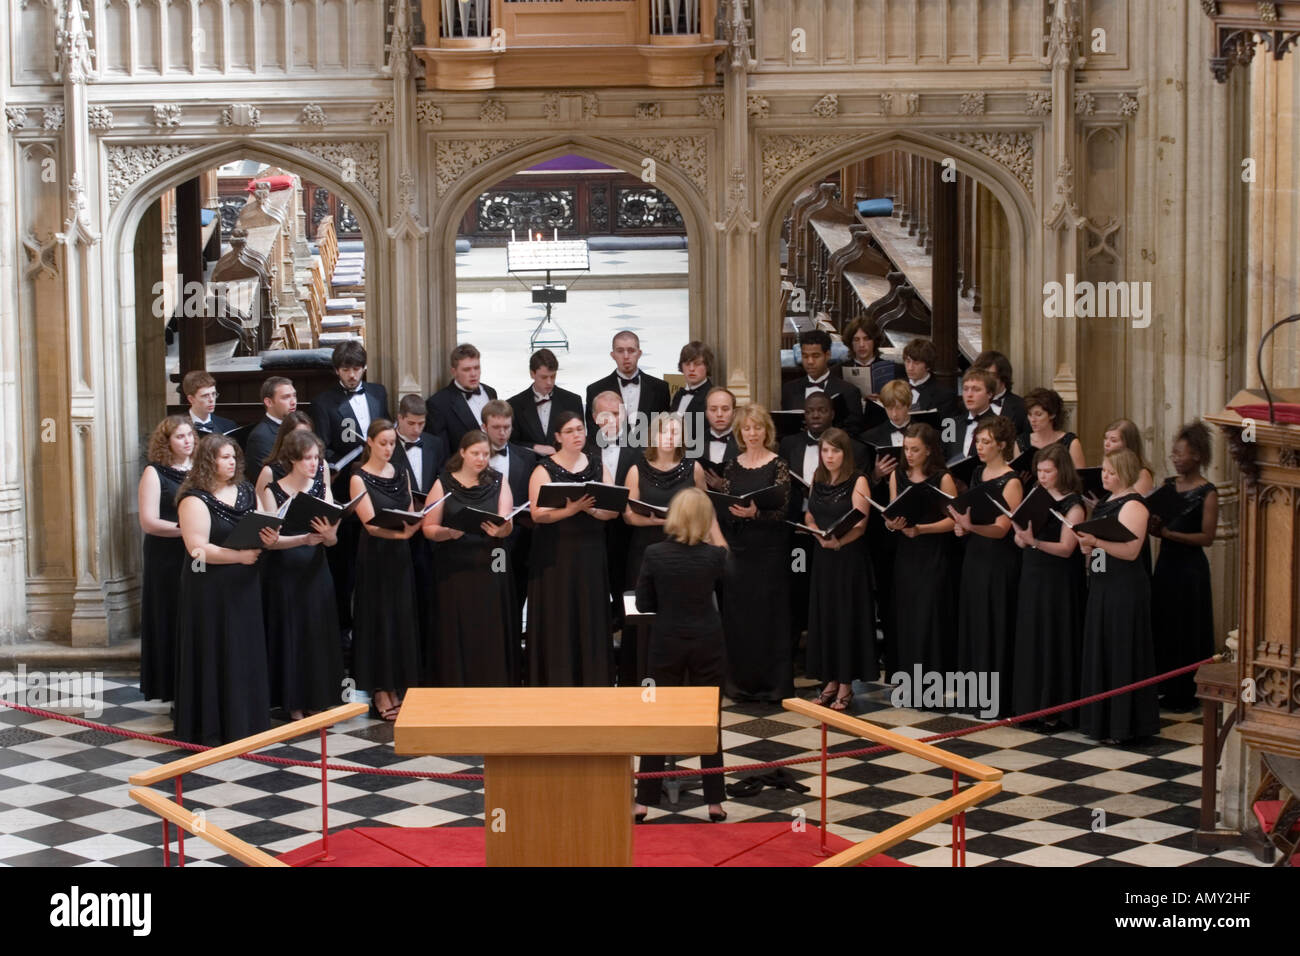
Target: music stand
569	255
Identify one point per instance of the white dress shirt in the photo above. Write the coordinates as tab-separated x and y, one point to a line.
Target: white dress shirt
817	385
361	408
500	460
916	387
717	446
544	412
415	455
997	402
609	458
475	401
631	394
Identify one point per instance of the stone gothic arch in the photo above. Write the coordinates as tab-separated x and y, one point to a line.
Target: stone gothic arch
1019	200
686	189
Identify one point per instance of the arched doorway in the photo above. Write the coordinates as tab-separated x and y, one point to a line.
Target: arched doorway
451	213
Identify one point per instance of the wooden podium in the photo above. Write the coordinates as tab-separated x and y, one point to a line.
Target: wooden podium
558	760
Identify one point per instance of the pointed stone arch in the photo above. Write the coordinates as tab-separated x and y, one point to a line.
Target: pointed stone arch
686	187
1014	183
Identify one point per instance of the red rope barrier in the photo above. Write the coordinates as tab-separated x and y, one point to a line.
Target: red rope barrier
662	774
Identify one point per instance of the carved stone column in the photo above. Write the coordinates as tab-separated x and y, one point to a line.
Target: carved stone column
738	230
13	599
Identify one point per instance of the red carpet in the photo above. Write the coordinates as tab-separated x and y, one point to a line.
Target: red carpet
666	844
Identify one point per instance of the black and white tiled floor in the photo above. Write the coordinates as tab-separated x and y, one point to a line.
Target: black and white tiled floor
1066	800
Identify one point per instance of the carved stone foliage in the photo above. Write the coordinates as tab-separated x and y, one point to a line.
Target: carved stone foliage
166	115
712	106
100	118
452	158
758	105
1015	151
428	113
553	107
15	117
828	106
690	154
648	111
492	111
357	162
127	165
382	113
784	152
1128	105
313	114
1085	103
53	117
1038	103
972	104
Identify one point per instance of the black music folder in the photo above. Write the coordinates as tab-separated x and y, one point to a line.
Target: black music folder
838	530
557	494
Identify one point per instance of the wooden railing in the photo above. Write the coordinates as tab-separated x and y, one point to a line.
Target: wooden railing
953	808
171	811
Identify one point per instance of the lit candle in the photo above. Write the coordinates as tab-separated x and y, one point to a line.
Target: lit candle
512	233
556	237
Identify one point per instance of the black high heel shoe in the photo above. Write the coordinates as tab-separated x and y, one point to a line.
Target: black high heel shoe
717	817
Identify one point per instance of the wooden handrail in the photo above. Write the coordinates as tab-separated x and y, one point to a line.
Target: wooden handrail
248	744
201	828
860	728
899	832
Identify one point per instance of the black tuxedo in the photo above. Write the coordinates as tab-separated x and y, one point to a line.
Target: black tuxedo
216	425
1013	408
733	447
521	463
331	410
848	410
933	394
449	414
627	457
954	448
527	430
258	445
433	455
654	395
699	399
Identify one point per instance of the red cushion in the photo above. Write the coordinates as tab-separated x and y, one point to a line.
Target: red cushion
1287	413
276	183
1266	812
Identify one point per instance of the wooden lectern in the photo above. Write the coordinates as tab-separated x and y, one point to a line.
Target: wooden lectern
1268	456
558	760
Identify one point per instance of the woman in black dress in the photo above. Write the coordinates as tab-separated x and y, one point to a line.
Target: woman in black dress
222	689
1052	596
990	571
304	653
1117	647
476	625
171	447
841	633
1182	605
1121	434
385	630
1046	413
569	636
923	585
687	649
756	595
274	469
658	475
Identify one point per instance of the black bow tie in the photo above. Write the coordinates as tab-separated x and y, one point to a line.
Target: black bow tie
468	393
899	428
408	445
811	384
359	390
542	401
498	453
634	380
688	391
726	437
809	440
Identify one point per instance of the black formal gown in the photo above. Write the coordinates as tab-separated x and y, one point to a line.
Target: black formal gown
756	597
1182	605
476	624
1049	624
841	612
160	575
656	488
222	689
385	628
925	613
305	654
1117	646
986	602
569	626
1065	441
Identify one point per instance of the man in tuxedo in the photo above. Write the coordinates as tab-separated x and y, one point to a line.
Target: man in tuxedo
534	408
200	391
802	453
420	456
720	444
919	356
609	444
815	354
641	392
977	387
279	398
458	407
515	463
1005	402
896	397
342	414
695	362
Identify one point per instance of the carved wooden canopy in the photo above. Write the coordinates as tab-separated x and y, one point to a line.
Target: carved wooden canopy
1242	25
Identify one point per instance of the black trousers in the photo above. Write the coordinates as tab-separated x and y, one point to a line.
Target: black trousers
685	662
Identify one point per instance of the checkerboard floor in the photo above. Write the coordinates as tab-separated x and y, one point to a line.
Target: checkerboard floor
1066	800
